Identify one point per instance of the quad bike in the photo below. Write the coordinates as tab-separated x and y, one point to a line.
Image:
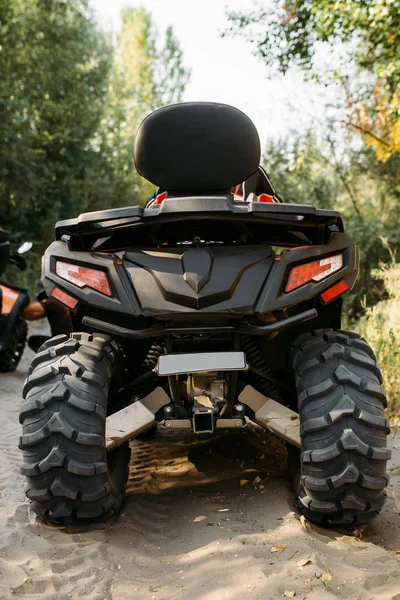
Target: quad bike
15	307
16	310
206	314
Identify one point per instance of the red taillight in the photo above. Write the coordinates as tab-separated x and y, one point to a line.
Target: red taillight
84	277
335	291
313	271
64	298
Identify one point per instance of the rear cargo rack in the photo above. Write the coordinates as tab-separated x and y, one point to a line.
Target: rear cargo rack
288	224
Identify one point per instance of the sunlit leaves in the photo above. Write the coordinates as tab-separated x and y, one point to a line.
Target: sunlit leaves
361	37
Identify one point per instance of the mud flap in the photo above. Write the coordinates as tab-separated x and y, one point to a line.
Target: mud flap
134	419
280	420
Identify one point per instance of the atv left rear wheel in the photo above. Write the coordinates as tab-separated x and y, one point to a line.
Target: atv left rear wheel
71	477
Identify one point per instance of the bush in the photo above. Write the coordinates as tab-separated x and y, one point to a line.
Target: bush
381	327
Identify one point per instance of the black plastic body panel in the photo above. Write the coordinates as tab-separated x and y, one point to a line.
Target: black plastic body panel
273	296
204	284
124	300
216	280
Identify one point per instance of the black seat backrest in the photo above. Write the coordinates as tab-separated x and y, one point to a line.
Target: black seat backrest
197	147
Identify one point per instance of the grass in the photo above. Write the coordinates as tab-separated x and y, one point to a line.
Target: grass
381	328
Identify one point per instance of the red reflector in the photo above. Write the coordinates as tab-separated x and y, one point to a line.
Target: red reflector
159	199
64	298
335	291
265	198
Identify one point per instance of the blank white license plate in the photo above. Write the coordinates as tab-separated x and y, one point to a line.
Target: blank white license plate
179	364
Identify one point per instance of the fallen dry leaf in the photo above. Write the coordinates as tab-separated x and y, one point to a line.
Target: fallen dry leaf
289	594
244	481
198	519
223	509
303	562
257	480
326	577
397	552
278	548
357	533
304	524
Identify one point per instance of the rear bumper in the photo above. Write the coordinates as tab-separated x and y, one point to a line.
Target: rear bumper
241	328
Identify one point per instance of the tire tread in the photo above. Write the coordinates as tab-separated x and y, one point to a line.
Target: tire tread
343	428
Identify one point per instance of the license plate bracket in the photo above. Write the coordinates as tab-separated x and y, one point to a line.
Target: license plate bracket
181	364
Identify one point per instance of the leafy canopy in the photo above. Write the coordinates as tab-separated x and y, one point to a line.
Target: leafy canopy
147	73
70	104
54	64
360	34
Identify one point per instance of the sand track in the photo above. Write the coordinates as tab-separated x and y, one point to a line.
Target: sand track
189	529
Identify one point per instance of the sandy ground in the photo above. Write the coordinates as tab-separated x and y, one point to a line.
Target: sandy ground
194	526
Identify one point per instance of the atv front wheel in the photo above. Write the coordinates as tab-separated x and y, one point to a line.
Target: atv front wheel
9	358
71	477
343	428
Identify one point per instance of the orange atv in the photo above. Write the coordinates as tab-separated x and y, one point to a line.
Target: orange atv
15	307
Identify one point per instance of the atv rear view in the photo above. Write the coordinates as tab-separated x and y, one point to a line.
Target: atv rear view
203	313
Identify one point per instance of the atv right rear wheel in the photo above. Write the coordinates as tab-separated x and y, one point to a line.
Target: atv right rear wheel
343	428
71	477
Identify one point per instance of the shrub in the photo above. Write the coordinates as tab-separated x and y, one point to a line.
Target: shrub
381	327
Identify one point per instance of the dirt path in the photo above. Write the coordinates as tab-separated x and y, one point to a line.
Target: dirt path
191	530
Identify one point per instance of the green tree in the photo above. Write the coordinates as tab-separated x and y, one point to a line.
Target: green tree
145	75
54	63
305	171
359	33
70	104
302	172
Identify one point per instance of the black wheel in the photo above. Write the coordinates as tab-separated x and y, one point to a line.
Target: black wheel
343	428
71	477
9	358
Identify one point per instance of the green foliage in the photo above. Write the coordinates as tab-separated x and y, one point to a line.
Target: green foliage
288	33
70	104
145	75
361	50
364	190
303	173
381	327
54	64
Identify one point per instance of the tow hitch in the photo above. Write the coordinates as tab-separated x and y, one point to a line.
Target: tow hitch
136	418
203	421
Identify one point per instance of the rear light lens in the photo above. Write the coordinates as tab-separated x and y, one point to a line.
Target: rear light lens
335	291
313	271
84	277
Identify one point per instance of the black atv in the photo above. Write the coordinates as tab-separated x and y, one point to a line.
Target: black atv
203	313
